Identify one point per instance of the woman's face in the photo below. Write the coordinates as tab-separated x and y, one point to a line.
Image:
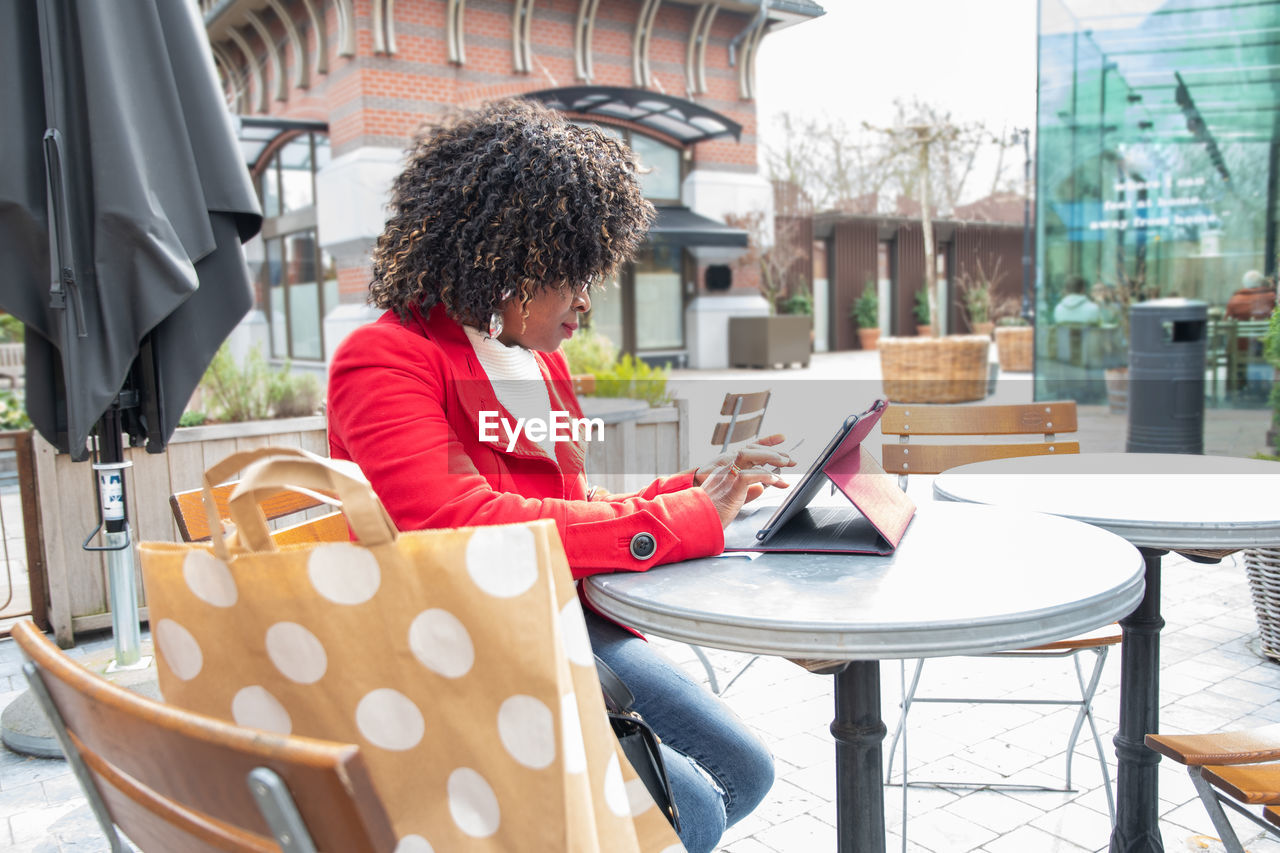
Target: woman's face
553	318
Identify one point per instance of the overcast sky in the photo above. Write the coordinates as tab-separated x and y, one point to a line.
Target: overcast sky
976	58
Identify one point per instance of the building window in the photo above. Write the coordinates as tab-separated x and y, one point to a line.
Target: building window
297	280
660	163
659	309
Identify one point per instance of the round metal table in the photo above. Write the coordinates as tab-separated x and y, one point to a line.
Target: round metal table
965	580
1159	502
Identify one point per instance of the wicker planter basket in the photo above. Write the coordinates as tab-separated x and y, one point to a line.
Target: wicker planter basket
1013	347
1262	565
952	369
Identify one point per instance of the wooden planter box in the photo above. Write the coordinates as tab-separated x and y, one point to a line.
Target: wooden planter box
767	341
635	451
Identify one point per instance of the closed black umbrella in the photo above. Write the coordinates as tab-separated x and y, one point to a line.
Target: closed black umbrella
123	203
154	200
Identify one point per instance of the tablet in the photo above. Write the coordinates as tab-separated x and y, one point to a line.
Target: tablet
879	515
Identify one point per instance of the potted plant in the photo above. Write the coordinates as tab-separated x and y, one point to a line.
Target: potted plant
977	297
866	314
1114	303
589	354
800	302
924	327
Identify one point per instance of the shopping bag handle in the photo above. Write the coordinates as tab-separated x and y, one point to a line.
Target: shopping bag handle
274	474
223	470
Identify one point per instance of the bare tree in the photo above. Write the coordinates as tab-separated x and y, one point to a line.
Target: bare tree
843	167
775	256
833	164
931	158
925	155
955	150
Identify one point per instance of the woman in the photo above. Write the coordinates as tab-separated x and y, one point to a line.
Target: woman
500	224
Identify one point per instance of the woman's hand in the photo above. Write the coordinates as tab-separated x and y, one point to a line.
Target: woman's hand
733	479
759	452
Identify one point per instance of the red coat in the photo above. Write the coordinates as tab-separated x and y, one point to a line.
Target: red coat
404	404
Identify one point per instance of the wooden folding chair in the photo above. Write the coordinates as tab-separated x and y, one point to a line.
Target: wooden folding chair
1227	768
745	413
193	523
172	780
970	430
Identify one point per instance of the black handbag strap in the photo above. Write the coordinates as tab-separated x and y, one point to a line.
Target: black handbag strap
639	741
617	696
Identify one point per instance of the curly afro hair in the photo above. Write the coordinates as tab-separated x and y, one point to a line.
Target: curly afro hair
507	201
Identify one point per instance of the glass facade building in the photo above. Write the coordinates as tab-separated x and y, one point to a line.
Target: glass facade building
1158	159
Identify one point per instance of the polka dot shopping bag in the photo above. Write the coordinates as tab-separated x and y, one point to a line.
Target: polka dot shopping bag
458	660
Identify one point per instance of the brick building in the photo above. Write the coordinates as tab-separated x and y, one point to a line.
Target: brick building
330	92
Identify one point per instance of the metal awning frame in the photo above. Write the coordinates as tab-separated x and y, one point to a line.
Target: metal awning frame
676	118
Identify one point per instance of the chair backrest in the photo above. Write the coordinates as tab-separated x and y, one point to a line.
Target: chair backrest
1048	420
175	780
745	413
193	523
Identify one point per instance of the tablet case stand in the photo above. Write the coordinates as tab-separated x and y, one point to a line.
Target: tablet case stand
872	522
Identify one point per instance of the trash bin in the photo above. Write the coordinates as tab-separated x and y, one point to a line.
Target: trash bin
1167	339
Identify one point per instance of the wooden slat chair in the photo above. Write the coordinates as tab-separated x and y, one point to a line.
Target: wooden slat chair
193	524
1236	768
745	413
977	425
173	780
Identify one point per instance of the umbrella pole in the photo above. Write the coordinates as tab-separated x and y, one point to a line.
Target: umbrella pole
121	579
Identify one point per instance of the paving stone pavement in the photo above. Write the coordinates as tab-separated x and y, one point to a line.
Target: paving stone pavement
1212	676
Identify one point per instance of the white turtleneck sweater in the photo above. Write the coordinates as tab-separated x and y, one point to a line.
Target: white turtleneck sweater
516	378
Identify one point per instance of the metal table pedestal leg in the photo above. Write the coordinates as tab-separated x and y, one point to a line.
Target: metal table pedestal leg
1137	822
859	732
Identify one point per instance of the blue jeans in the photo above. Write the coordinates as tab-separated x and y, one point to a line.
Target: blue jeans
718	769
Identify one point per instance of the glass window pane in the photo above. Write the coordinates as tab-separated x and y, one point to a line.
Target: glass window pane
659	308
661	162
330	267
322	151
330	290
297	189
607	130
304	296
273	272
269	188
255	259
606	312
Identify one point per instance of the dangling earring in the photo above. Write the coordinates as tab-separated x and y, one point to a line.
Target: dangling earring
495	319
